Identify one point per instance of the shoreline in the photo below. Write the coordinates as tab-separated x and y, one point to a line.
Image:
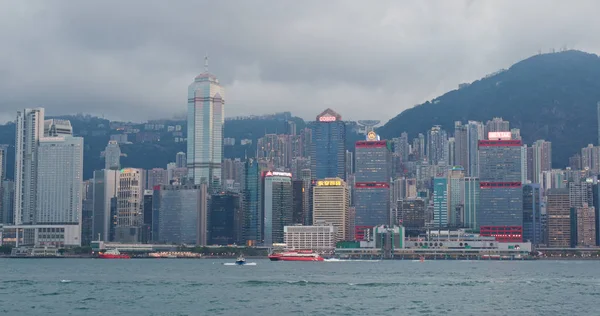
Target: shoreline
343	259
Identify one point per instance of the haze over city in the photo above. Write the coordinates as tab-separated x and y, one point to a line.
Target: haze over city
132	60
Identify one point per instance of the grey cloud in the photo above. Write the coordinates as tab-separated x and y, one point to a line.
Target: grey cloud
133	60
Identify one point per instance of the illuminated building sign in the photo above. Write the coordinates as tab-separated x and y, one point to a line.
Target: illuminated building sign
329	183
499	136
278	174
372	136
327	118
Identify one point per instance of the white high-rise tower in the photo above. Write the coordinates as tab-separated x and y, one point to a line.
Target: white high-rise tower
29	129
206	117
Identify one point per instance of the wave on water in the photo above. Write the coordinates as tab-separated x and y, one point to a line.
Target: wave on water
18	282
317	283
348	260
234	264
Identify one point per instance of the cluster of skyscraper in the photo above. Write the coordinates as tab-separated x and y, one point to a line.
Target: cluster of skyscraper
305	183
46	202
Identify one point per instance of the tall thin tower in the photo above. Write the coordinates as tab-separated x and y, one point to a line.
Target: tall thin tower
206	117
29	129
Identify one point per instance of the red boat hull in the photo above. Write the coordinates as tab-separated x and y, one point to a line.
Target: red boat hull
294	258
111	256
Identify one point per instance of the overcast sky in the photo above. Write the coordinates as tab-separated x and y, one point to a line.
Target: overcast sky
133	60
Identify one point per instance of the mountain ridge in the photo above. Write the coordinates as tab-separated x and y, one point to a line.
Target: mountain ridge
548	96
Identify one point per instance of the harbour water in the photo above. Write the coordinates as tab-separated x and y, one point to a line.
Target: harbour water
208	287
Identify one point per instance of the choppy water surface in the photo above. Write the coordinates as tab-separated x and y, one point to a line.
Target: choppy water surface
207	287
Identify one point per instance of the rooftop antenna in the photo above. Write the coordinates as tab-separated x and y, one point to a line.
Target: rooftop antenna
206	62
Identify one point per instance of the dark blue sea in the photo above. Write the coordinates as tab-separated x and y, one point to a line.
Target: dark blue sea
207	287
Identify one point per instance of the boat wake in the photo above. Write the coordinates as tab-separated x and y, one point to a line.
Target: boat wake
348	260
234	264
65	281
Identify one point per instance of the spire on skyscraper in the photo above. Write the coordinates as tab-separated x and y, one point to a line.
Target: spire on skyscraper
206	62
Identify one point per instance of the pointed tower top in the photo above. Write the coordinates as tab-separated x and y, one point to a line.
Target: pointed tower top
206	62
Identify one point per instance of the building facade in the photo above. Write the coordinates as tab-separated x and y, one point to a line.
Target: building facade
318	238
252	203
471	208
277	203
225	218
532	214
328	146
112	155
59	180
29	129
129	205
501	193
372	177
105	187
182	214
411	215
586	226
558	209
330	206
440	202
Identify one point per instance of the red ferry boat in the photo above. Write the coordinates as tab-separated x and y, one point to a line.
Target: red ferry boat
113	254
300	255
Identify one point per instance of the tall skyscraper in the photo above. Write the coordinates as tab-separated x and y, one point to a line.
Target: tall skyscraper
349	163
307	189
180	160
277	205
437	146
297	199
440	202
501	194
105	188
328	146
524	167
2	176
2	163
147	213
129	205
206	117
330	205
456	193
461	145
542	158
29	129
475	132
372	182
112	156
532	214
402	147
252	203
585	226
471	200
451	160
225	219
590	158
59	179
558	209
